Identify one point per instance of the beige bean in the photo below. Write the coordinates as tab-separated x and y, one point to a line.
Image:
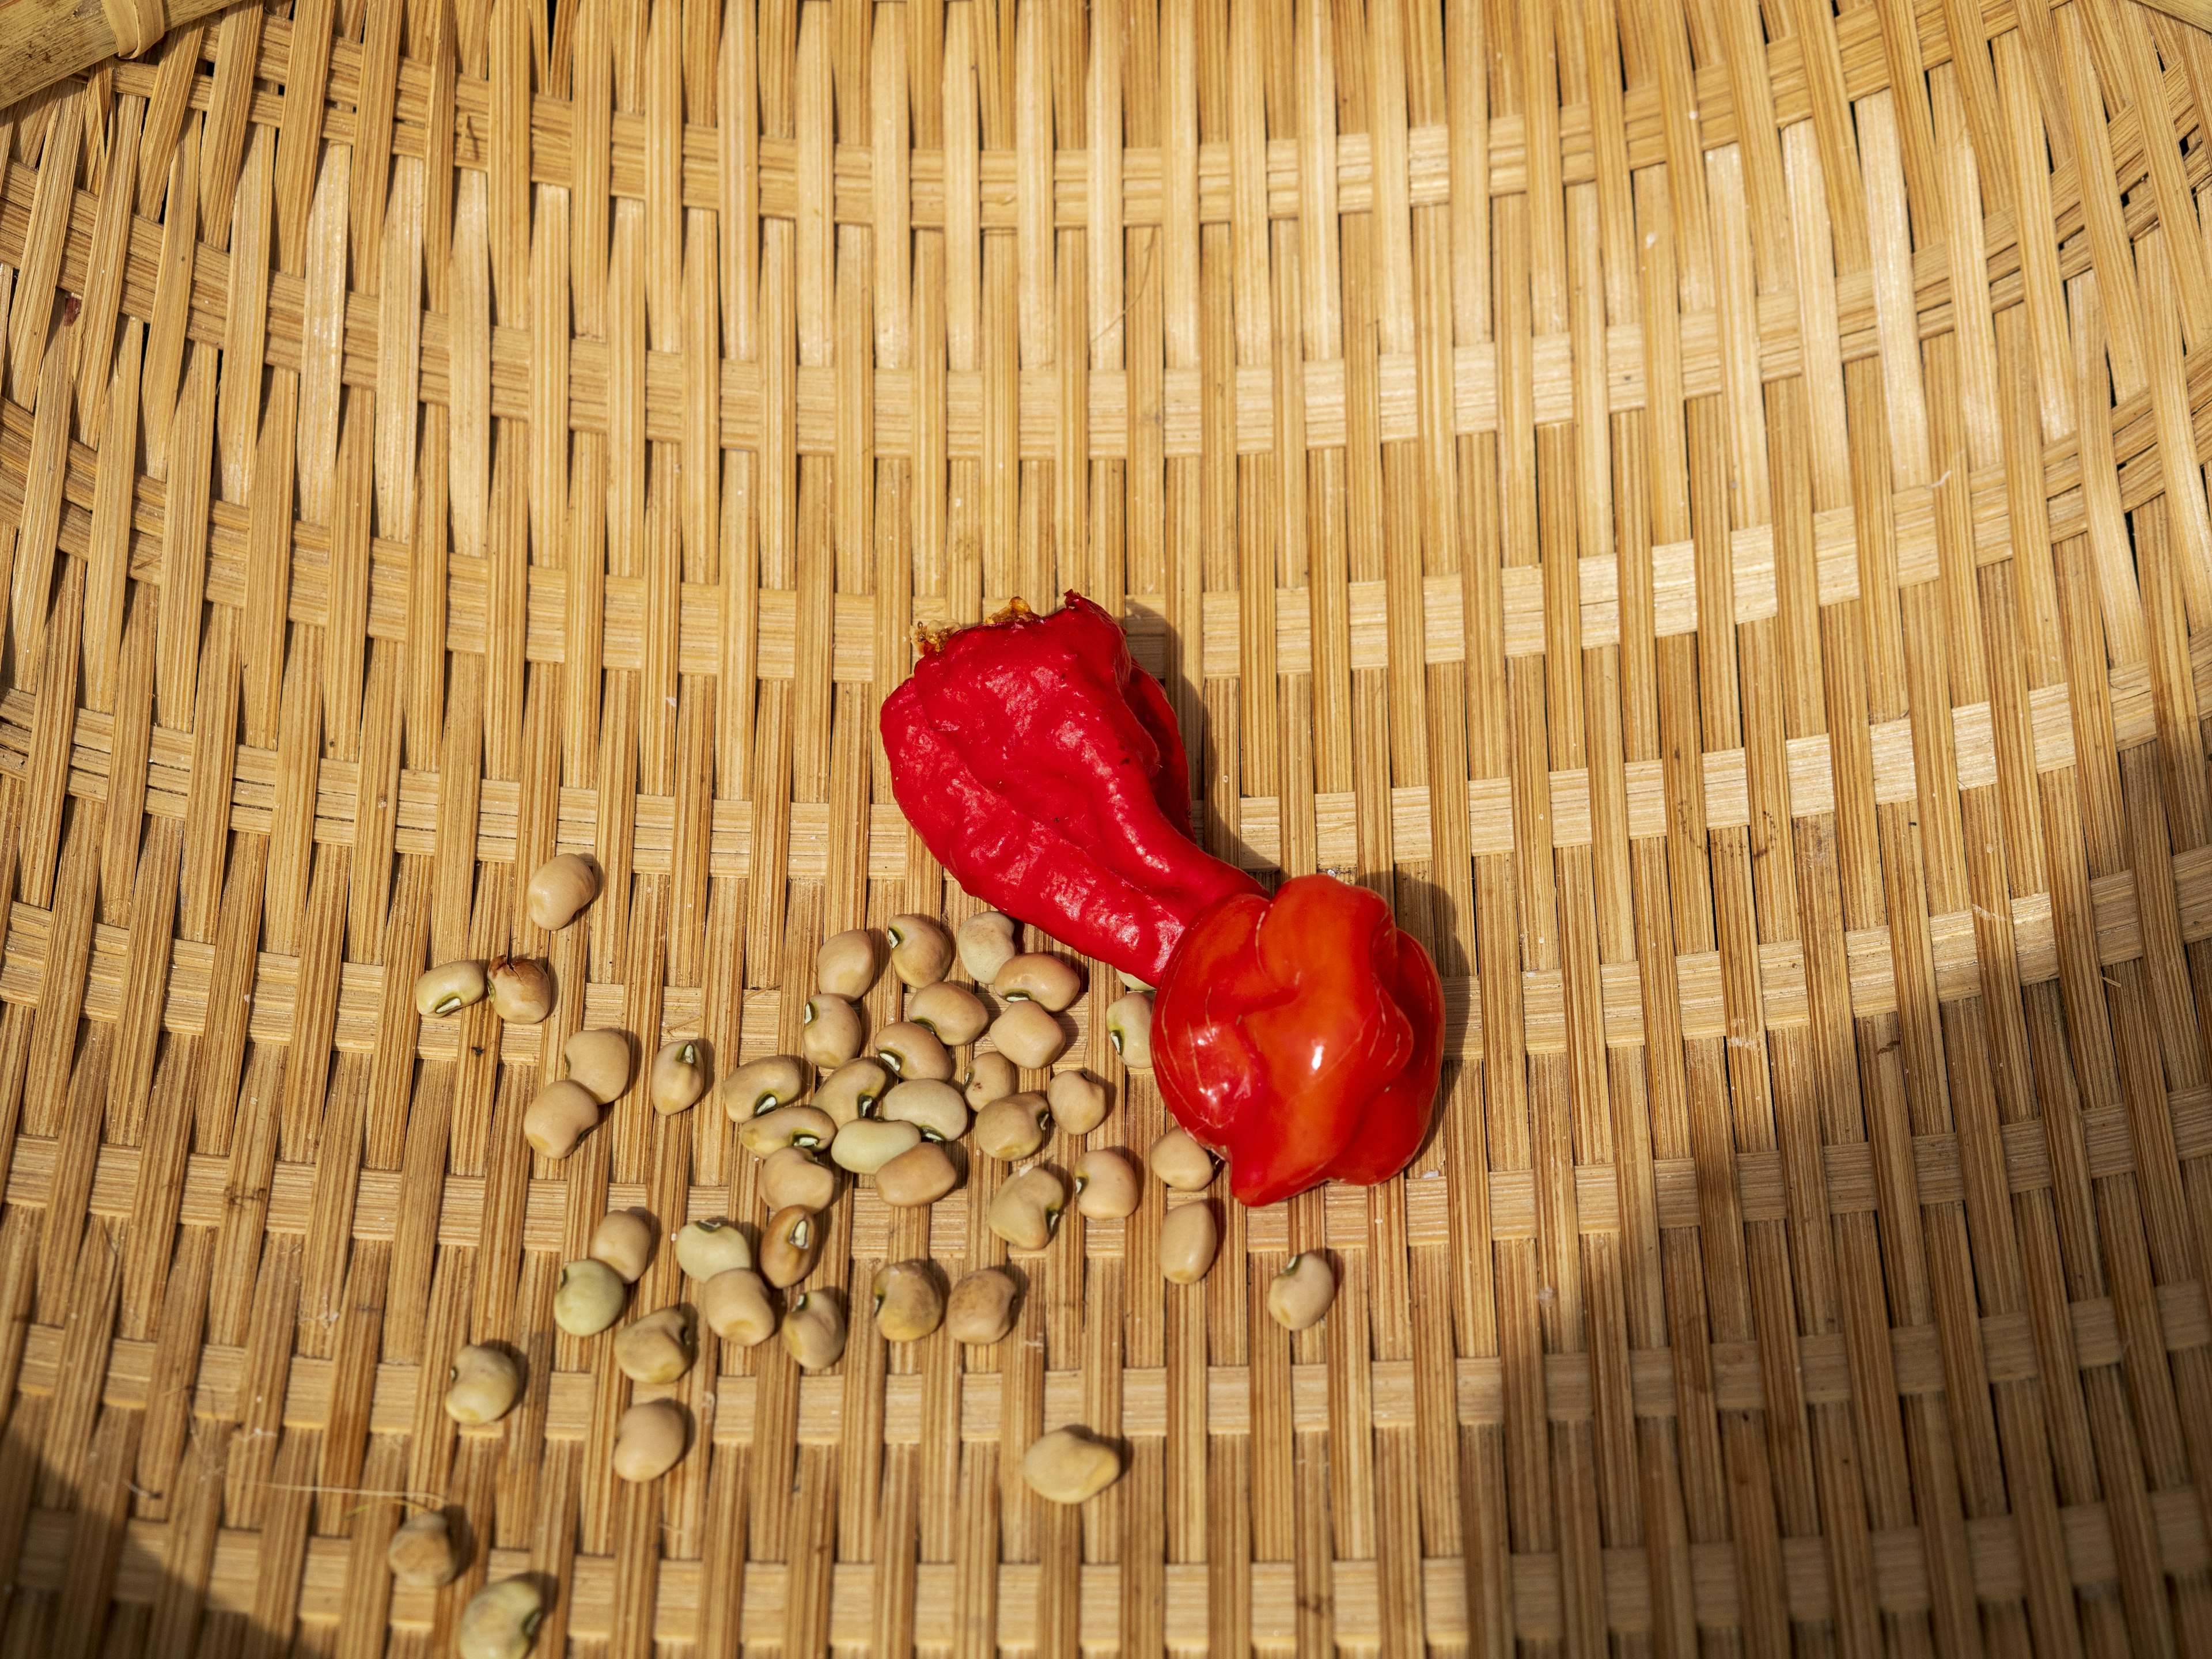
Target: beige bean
500	1620
423	1553
866	1146
521	989
920	1175
448	988
649	1440
1012	1128
1038	976
990	1076
953	1012
786	1125
704	1248
832	1030
600	1059
563	885
846	964
562	1114
921	950
761	1085
656	1348
908	1303
1188	1237
987	943
853	1089
1077	1101
1178	1159
481	1385
1026	1212
814	1330
1106	1187
589	1297
980	1311
791	1243
791	1175
623	1240
1070	1466
1129	1027
678	1078
735	1306
1028	1036
1298	1296
914	1051
936	1108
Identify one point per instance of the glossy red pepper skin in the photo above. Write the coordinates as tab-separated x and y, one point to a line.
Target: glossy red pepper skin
1302	1038
1044	770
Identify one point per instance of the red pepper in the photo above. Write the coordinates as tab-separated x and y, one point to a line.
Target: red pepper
1044	770
1300	1035
1302	1038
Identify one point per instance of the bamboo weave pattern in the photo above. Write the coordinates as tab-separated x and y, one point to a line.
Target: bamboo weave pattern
1702	504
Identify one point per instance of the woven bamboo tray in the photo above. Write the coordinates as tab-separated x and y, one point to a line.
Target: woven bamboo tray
1701	505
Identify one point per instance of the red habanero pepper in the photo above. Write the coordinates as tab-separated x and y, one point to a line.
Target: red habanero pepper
1044	770
1302	1038
1300	1035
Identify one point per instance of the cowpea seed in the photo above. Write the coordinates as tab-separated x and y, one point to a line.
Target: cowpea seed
953	1012
1026	1210
1106	1187
980	1309
704	1248
1188	1237
1129	1027
600	1059
422	1553
1180	1161
921	950
846	964
623	1240
990	1076
735	1306
920	1175
482	1385
987	944
448	988
1078	1102
649	1439
562	886
589	1297
908	1303
914	1051
562	1114
814	1330
521	989
678	1078
761	1085
831	1031
790	1245
1012	1128
936	1108
791	1175
1040	977
500	1620
786	1125
1070	1466
851	1090
1028	1036
867	1146
1298	1296
656	1348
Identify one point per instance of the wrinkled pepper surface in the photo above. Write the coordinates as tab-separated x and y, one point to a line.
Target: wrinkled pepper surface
1301	1037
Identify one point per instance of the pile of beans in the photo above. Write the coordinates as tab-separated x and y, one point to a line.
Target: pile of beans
892	1108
